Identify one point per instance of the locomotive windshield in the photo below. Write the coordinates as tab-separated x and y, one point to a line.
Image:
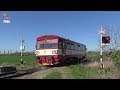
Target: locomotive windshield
40	46
51	45
47	44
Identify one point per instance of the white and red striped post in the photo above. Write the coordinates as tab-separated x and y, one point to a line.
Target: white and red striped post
22	48
101	32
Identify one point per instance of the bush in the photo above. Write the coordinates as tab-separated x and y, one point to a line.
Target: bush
80	72
116	56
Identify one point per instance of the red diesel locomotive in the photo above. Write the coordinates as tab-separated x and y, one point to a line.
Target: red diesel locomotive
53	49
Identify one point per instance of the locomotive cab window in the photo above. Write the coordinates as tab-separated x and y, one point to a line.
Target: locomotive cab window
39	46
51	45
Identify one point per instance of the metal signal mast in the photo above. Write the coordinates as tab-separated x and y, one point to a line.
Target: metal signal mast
101	32
22	48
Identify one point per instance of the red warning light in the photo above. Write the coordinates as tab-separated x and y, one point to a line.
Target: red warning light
106	39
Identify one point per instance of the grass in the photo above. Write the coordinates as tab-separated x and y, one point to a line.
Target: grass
116	57
14	60
80	72
54	75
93	54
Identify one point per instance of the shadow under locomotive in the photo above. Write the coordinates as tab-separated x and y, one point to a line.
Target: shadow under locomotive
74	62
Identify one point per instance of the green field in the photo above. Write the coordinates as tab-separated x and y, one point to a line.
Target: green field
93	54
14	60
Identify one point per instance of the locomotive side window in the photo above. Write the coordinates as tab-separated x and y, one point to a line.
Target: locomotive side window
83	47
79	47
76	47
63	45
68	45
72	47
60	45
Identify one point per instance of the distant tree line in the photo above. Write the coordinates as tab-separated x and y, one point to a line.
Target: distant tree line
10	52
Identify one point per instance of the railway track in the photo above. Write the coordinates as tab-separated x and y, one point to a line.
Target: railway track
21	72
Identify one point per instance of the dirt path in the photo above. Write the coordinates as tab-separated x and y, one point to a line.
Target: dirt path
37	75
43	73
65	72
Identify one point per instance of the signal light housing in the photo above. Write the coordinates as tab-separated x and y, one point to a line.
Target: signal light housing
106	39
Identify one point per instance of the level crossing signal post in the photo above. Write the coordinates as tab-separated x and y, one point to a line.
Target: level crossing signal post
22	48
104	41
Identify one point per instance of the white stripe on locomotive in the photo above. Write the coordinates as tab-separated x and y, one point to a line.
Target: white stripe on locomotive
50	52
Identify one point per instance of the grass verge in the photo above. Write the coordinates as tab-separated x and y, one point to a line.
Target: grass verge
80	72
54	75
14	60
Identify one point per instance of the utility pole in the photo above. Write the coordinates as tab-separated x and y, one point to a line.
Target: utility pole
22	48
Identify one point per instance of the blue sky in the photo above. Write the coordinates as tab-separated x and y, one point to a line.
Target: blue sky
80	26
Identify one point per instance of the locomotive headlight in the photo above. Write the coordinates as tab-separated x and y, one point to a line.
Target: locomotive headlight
36	52
55	51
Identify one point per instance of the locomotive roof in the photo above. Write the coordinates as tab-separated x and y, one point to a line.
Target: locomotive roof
56	36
